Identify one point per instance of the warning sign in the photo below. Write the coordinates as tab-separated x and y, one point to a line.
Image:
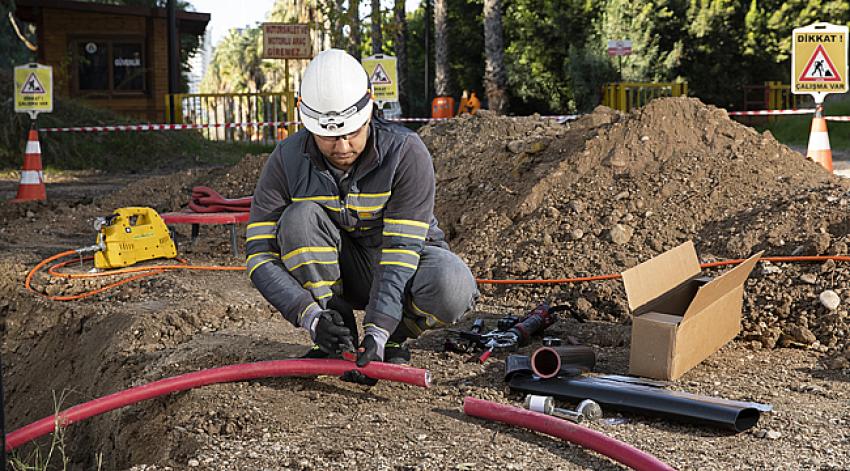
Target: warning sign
819	60
383	75
33	89
286	41
32	85
379	76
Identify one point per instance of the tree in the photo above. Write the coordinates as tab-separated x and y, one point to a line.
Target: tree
653	26
377	36
400	46
539	37
441	48
712	54
354	28
495	77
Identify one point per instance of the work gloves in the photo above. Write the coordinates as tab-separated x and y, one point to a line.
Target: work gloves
371	349
330	333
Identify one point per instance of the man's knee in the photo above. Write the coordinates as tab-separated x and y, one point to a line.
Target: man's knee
301	223
443	287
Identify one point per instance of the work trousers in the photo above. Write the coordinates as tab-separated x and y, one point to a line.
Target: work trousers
331	264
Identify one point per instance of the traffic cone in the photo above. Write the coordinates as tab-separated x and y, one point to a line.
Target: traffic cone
819	150
31	187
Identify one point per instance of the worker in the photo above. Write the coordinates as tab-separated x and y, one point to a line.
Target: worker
473	104
464	99
469	103
343	218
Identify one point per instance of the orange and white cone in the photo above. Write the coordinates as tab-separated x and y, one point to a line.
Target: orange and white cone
819	150
31	186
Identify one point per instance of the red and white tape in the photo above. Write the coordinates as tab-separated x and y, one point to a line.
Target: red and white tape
770	112
180	127
837	118
163	127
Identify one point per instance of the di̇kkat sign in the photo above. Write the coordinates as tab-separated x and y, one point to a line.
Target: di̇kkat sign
819	60
33	89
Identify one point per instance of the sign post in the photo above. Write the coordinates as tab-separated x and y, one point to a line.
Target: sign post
383	75
620	48
287	41
819	67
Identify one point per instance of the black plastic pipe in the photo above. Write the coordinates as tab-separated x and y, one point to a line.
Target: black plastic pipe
642	399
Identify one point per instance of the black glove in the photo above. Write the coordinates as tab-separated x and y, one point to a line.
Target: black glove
367	352
331	334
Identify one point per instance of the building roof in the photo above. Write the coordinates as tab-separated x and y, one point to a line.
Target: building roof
189	22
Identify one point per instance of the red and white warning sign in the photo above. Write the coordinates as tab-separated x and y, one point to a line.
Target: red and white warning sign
819	60
820	68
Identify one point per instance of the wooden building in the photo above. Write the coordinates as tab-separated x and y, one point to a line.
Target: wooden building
111	56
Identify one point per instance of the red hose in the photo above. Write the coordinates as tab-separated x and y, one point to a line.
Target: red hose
225	374
582	436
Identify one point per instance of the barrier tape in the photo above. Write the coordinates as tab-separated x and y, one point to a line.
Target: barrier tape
163	127
837	118
180	127
769	112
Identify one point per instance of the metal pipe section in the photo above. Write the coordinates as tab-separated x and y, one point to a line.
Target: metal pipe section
582	436
546	362
617	395
225	374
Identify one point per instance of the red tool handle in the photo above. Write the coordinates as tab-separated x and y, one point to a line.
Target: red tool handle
537	320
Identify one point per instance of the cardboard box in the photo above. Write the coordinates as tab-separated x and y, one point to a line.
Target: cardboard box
679	317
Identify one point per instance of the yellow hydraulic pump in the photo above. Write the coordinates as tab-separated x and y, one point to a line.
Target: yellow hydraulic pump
131	235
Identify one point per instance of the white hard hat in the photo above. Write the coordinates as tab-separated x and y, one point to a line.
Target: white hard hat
335	97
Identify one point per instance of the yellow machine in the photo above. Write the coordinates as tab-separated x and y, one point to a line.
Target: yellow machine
131	235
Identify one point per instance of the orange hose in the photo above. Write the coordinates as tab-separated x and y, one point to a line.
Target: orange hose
614	276
143	272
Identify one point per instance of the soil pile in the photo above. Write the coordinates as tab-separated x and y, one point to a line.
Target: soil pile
530	198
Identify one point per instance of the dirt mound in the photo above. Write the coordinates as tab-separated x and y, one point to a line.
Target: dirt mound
530	198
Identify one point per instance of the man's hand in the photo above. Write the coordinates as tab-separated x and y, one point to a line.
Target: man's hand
369	351
331	334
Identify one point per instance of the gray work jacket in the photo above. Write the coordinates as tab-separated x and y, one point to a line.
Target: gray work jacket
390	204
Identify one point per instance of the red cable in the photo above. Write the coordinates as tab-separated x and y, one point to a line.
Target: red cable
563	429
225	374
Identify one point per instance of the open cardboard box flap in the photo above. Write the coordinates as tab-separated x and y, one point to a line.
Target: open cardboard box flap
721	285
652	278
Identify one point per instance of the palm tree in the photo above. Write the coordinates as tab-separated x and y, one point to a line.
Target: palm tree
354	25
441	48
401	52
495	77
377	37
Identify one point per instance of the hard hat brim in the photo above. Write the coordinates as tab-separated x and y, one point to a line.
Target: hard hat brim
350	125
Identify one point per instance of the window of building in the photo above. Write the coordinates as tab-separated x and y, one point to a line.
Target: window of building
109	66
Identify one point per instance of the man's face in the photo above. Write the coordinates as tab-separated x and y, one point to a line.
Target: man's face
343	151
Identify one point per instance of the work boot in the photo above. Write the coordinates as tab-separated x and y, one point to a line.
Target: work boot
396	353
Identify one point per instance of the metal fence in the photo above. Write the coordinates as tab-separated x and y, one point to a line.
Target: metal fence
774	96
625	96
217	109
